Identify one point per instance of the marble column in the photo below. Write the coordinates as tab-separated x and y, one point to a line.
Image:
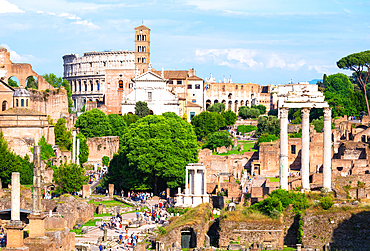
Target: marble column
305	152
186	181
15	198
284	148
78	152
36	196
327	149
205	182
74	146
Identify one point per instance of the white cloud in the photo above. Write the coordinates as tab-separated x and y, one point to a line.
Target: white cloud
246	58
15	57
6	7
86	23
69	16
328	69
39	11
52	13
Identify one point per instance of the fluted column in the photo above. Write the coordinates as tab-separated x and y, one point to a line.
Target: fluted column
327	149
284	148
74	146
305	152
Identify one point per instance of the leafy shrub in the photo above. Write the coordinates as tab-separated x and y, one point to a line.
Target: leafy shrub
270	206
162	230
246	128
326	202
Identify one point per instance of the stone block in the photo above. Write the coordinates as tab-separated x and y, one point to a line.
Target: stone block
111	190
234	247
86	191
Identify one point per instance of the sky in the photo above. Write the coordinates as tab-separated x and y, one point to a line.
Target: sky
263	42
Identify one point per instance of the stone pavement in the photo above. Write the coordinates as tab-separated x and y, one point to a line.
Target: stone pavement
92	237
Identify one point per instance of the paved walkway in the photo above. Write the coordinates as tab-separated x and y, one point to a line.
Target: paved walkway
93	236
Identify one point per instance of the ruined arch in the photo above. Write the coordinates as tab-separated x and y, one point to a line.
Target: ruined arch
208	103
236	106
215	102
32	82
242	103
13	81
223	102
230	105
4	105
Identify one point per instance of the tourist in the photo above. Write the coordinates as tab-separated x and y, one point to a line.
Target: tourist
100	247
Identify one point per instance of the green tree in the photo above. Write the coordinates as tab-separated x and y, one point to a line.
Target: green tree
356	62
12	83
247	112
118	126
246	128
156	150
105	161
32	83
229	116
218	139
265	137
84	148
261	108
94	123
57	82
69	178
269	125
10	162
47	151
217	107
130	118
297	117
207	122
318	124
62	135
273	112
141	109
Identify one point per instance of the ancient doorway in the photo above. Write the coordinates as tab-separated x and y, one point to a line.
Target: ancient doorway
188	238
4	105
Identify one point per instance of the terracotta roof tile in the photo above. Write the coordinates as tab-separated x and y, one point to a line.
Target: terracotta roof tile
22	112
190	104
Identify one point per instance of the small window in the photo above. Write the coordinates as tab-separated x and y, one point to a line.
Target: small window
26	102
16	103
120	84
97	85
179	82
22	102
3	106
143	60
104	64
144	37
197	87
192	114
144	49
85	87
241	87
194	101
292	149
340	168
223	88
92	87
149	95
236	87
90	64
138	37
130	85
138	60
190	86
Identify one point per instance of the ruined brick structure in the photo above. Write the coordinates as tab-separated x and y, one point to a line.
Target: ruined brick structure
100	147
235	95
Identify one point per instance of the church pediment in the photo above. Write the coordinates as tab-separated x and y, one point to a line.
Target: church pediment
148	76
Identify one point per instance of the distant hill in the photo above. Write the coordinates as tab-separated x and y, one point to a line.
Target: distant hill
314	81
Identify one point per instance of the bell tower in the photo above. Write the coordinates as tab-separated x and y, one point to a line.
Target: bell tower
142	48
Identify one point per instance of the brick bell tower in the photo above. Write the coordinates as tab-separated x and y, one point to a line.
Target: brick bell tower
142	48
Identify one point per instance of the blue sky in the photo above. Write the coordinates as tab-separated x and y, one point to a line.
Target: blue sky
264	42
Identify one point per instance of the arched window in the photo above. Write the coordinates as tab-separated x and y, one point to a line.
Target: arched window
138	60
144	49
26	102
16	103
22	102
92	86
223	88
4	104
79	87
120	84
75	86
97	85
144	37
143	60
85	87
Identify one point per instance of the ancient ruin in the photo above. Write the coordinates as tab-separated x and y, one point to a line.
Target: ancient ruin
305	96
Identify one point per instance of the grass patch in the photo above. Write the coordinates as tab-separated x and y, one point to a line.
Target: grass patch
194	216
91	223
273	179
109	203
77	231
101	215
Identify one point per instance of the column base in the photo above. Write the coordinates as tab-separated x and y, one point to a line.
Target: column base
36	225
14	231
40	244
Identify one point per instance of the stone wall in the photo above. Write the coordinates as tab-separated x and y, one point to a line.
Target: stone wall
344	230
74	211
267	232
196	219
100	147
53	102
